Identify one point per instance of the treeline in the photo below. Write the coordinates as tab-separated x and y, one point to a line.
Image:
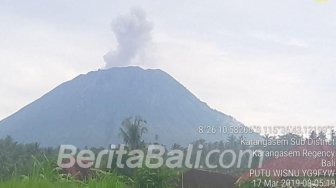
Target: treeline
17	159
29	165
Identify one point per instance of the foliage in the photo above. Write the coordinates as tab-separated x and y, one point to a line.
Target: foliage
132	132
29	166
17	159
46	175
155	178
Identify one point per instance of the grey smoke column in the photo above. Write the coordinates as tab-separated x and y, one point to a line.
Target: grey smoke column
133	34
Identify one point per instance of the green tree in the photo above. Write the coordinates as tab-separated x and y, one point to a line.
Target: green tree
155	178
232	141
132	131
332	135
322	135
313	135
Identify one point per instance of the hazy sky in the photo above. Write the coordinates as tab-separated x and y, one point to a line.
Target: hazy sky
263	62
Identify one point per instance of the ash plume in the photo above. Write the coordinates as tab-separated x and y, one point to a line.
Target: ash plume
133	34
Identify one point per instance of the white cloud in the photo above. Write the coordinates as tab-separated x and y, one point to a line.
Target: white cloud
264	90
262	62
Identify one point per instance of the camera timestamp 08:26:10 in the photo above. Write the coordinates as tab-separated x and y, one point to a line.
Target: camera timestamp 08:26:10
207	129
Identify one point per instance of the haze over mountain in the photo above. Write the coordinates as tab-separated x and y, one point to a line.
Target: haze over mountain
88	110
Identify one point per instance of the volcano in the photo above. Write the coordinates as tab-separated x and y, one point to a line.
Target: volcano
88	111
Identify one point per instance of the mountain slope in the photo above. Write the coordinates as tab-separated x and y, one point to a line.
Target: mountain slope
88	110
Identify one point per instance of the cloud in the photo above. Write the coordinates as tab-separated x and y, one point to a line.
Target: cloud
133	35
281	40
273	63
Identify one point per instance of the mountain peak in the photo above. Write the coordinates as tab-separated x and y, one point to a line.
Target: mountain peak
89	109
